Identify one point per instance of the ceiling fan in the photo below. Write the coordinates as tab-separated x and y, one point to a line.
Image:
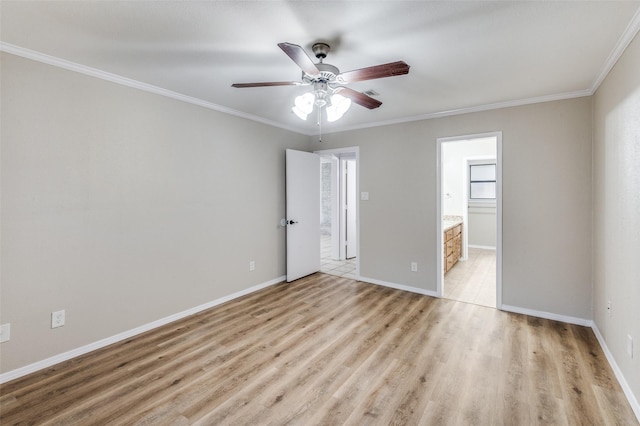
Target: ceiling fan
328	82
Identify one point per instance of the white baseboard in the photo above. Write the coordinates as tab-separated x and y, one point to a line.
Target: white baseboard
481	247
65	356
633	401
547	315
398	286
31	368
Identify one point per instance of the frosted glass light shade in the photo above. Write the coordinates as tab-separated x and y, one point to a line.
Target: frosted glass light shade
303	105
339	105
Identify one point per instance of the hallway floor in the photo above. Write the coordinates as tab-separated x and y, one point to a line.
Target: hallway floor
473	280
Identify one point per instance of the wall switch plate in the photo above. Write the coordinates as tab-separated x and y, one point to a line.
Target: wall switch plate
252	265
5	332
630	345
414	266
57	319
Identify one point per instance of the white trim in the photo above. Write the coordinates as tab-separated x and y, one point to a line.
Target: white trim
626	37
547	315
481	247
65	356
499	222
114	78
467	110
118	79
621	45
623	42
633	401
439	240
398	286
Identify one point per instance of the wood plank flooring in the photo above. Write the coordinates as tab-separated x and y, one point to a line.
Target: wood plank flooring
326	350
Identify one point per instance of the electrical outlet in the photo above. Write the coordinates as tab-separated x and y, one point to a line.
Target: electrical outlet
57	319
252	265
5	332
609	307
630	345
414	266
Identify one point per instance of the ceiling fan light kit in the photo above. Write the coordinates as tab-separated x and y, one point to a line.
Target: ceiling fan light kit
322	96
329	92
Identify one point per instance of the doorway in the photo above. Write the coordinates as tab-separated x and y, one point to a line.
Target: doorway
469	213
339	212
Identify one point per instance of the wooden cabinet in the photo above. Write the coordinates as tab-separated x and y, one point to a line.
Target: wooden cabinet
452	246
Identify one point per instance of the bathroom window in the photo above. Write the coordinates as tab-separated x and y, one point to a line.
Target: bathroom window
482	181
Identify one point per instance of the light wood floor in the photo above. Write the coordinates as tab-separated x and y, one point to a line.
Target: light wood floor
473	280
326	350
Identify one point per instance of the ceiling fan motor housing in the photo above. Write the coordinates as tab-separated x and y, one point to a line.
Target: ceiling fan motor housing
327	74
327	71
320	50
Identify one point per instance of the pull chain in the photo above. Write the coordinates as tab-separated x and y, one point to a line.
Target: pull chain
319	125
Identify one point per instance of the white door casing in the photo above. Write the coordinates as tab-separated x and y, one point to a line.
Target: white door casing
350	205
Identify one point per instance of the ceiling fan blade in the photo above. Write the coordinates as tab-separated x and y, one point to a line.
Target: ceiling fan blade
378	71
300	57
267	84
359	98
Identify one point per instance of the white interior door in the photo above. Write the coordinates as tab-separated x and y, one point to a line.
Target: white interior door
303	213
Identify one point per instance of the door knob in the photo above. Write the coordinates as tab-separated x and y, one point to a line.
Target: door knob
291	222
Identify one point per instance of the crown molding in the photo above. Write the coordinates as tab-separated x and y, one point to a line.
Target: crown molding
467	110
623	42
118	79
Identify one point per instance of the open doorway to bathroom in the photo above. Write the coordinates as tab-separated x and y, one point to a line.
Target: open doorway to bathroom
339	212
469	213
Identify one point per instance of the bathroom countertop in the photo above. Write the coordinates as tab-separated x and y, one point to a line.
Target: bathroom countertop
449	222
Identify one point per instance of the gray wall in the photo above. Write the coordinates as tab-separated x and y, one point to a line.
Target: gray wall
616	161
123	207
546	216
482	226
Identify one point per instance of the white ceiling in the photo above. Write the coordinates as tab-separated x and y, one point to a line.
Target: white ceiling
464	55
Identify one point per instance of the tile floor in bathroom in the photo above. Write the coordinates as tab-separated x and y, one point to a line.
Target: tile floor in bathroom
340	268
